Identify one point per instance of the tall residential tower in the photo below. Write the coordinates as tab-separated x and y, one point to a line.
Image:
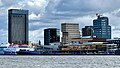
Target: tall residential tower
18	26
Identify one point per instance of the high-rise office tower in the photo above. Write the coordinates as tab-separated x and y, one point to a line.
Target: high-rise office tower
69	31
51	35
101	27
18	26
87	31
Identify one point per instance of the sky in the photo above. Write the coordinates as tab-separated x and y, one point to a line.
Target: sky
51	13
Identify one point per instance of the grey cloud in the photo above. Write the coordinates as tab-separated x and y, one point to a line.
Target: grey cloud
3	22
87	6
8	3
81	7
39	25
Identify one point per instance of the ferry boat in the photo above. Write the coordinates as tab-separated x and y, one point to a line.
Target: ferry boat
12	50
2	49
24	52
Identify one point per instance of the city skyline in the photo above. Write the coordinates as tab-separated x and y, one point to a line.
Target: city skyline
51	13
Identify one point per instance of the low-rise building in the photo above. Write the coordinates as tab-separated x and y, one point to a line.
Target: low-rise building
114	41
82	40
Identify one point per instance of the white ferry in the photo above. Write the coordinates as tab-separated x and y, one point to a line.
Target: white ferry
9	50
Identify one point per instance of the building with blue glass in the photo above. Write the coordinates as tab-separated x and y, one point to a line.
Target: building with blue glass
18	26
101	27
51	35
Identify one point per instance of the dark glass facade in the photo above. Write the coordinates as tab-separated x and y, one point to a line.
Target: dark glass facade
87	31
18	26
51	35
101	27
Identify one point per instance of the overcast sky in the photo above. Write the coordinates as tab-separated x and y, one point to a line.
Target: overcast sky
51	13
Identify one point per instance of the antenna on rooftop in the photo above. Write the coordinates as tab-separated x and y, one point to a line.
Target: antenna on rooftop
98	15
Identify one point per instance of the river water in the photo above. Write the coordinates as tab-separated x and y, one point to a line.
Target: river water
60	61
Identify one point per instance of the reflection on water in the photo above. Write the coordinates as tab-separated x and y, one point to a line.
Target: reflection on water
59	61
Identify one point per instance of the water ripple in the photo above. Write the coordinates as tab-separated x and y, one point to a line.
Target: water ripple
59	61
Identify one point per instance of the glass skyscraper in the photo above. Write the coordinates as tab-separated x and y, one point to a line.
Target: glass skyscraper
18	26
101	27
87	31
51	35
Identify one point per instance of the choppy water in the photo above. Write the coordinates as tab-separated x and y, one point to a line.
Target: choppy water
59	61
